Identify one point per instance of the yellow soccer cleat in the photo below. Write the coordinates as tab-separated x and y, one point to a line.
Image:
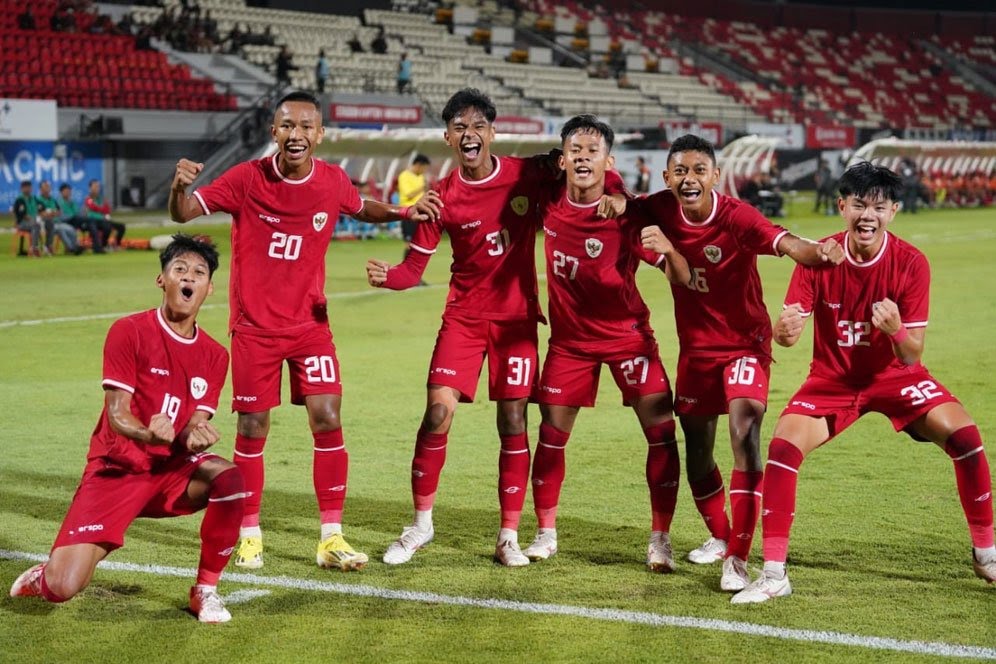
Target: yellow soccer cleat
249	554
335	552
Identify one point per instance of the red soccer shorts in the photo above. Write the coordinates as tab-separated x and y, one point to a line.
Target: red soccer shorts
510	347
903	397
706	385
257	360
570	378
108	500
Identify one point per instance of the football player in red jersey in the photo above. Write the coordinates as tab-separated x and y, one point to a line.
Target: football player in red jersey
162	379
284	210
597	317
870	317
492	310
724	336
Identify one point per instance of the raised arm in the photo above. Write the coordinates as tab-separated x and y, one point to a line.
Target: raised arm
808	252
675	266
183	208
159	431
788	328
426	209
907	344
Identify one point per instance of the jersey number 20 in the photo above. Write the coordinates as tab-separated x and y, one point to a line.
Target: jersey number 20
285	247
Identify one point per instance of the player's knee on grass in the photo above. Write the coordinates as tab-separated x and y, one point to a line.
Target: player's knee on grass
67	575
254	425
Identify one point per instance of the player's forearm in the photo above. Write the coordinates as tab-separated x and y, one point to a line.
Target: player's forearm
408	273
908	345
801	250
127	425
375	212
676	269
183	208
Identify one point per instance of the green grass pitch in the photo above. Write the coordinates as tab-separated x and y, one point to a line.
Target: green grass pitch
880	547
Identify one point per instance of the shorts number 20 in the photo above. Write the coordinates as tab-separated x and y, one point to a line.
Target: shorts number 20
319	369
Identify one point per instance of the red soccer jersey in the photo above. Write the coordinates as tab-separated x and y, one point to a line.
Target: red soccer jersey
723	311
281	230
165	373
492	224
591	277
846	346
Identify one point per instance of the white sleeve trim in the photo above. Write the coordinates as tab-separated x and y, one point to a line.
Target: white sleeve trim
121	386
206	409
363	202
200	199
422	250
778	238
660	259
917	323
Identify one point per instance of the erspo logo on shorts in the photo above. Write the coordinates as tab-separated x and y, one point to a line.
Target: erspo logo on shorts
551	390
805	405
245	398
444	371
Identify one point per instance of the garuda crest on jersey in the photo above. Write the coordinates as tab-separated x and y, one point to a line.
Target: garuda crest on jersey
319	220
198	387
593	246
520	205
713	253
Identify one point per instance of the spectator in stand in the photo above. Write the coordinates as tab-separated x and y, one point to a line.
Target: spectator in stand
235	39
404	74
48	210
321	72
354	44
26	21
25	210
70	214
642	183
379	43
911	185
284	66
97	208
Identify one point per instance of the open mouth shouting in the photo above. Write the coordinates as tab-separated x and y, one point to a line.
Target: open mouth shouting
471	150
690	193
187	293
296	150
865	231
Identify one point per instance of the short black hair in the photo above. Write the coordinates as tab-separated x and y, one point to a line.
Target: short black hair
421	159
25	183
586	123
188	244
692	143
865	178
92	181
469	98
64	186
299	95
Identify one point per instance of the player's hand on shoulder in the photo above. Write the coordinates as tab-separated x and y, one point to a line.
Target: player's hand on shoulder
885	316
831	251
611	206
377	272
186	172
427	208
161	428
789	325
653	239
202	436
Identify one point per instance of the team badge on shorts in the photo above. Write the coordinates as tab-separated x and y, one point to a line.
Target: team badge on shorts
520	205
713	253
593	246
319	220
198	387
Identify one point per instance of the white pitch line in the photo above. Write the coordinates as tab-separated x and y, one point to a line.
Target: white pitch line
88	317
609	615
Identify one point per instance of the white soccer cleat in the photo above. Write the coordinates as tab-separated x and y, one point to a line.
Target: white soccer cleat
206	604
508	553
660	557
28	584
766	587
711	551
984	570
734	576
544	545
402	549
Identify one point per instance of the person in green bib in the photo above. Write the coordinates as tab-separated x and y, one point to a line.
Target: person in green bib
25	210
50	214
71	215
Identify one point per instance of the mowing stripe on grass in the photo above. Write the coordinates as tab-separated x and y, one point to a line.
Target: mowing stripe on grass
610	615
216	305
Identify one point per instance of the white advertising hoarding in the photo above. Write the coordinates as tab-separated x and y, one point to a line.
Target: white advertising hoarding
28	120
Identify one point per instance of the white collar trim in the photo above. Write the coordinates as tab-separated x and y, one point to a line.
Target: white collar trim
172	333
